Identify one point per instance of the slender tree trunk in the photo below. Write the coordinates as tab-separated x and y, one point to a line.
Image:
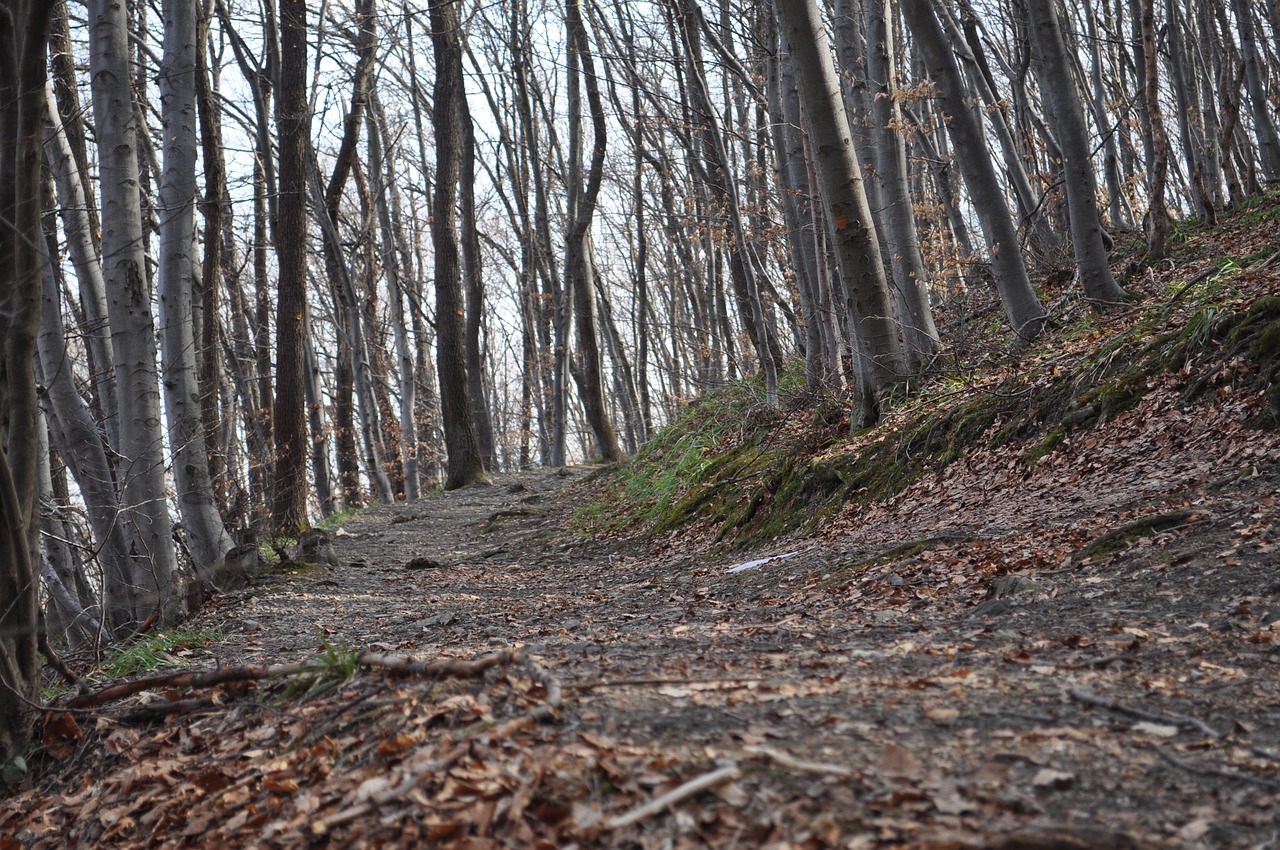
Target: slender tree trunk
725	191
1023	309
857	250
206	534
919	332
473	286
395	262
289	418
465	464
80	444
216	202
579	264
1058	87
24	31
1264	126
1157	214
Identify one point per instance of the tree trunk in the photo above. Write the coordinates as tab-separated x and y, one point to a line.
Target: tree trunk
1058	87
81	445
473	286
898	216
133	334
216	210
465	462
579	265
24	30
206	534
1023	309
396	262
1264	127
1157	214
857	250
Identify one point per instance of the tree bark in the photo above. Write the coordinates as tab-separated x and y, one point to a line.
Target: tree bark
24	32
289	497
1021	305
133	332
919	332
1157	213
579	265
862	274
465	462
176	284
1058	87
1264	126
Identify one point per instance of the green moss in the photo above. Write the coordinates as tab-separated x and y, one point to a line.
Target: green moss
1045	446
729	464
1145	527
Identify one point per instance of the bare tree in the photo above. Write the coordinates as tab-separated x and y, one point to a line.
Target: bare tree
289	419
1021	305
1058	86
862	274
24	31
466	463
176	206
133	333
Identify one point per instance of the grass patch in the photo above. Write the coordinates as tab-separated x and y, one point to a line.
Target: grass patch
156	650
332	667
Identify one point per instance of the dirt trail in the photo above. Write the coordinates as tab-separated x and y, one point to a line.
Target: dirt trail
939	679
1077	652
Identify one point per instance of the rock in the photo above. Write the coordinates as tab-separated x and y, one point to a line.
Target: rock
315	546
424	563
992	608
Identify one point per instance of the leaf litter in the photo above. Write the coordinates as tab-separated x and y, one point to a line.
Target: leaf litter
996	683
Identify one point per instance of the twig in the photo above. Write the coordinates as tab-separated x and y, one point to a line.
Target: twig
1266	754
1175	719
455	668
1100	662
1216	771
800	765
675	795
640	683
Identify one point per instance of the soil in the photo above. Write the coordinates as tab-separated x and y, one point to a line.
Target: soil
1078	649
975	663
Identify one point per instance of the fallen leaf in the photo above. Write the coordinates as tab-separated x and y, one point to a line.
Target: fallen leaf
1049	778
896	761
1155	729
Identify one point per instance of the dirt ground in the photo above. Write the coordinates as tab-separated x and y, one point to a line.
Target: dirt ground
953	668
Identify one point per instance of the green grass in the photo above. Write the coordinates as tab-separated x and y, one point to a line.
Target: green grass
156	650
336	520
333	666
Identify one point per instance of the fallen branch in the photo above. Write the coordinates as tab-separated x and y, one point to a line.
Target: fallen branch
675	795
641	683
1180	720
190	679
1220	773
441	668
800	765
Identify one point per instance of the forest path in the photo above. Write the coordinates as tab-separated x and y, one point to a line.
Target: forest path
916	677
